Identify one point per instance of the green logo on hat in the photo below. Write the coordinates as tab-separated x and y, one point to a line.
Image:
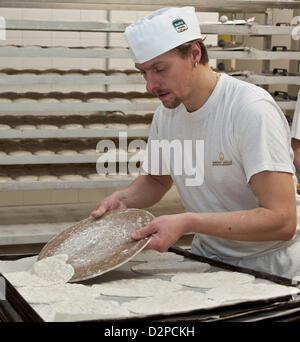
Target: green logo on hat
179	25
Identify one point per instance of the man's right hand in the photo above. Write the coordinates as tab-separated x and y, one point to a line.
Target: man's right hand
111	202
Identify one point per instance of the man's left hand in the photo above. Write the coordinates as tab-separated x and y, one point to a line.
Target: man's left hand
165	231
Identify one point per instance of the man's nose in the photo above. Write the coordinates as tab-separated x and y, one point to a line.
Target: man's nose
152	84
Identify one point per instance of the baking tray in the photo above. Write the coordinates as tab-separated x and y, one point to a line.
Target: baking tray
16	308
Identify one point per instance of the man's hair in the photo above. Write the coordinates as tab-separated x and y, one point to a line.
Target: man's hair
184	50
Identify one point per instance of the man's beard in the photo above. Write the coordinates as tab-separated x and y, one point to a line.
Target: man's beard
172	103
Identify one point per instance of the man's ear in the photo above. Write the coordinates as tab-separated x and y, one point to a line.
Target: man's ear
196	53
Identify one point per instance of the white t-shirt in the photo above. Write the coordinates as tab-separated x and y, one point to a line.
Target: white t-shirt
244	132
295	131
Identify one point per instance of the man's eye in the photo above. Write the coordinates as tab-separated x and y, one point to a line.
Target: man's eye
159	70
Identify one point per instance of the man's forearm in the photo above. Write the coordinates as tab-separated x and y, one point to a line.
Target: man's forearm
144	192
259	224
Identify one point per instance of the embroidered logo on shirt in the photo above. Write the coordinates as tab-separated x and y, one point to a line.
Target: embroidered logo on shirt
179	25
221	161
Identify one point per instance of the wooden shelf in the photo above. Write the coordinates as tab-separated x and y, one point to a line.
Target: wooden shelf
133	78
97	52
248	29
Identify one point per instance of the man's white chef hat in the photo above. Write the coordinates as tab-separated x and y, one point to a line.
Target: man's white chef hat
162	31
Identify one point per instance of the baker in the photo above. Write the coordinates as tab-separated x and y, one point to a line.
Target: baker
242	204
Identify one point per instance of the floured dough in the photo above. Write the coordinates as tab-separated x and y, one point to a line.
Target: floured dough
170	267
24	100
153	255
96	176
4	100
251	291
45	311
95	126
20	265
27	178
67	152
44	126
175	302
43	153
117	125
84	309
71	177
57	293
19	153
88	151
119	100
97	100
54	269
71	126
5	179
20	279
136	287
48	178
212	279
25	127
4	127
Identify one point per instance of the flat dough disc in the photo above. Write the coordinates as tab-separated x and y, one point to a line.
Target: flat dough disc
87	309
212	279
5	179
53	269
165	268
71	126
19	153
43	153
136	287
153	255
116	125
97	100
48	178
175	302
67	152
96	176
25	127
71	177
20	279
27	178
45	311
57	293
4	127
251	291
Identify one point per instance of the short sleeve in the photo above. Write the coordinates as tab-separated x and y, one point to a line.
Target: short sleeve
263	138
